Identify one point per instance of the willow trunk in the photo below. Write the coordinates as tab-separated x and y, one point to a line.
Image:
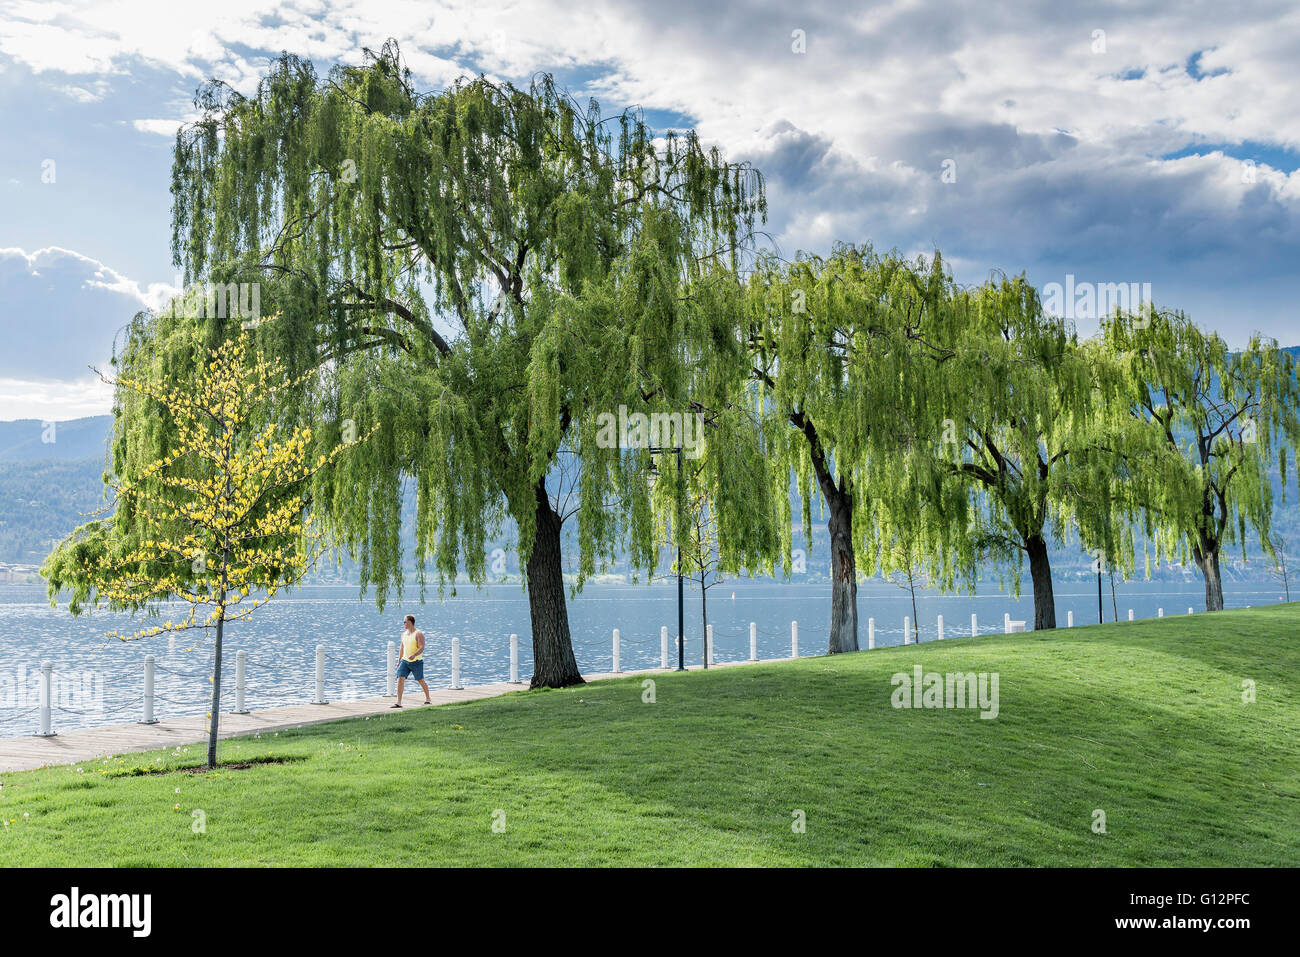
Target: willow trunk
844	576
1040	570
1207	557
554	665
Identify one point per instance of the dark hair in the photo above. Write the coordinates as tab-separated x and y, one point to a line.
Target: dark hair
411	619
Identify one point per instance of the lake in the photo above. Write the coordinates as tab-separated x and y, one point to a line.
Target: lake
100	681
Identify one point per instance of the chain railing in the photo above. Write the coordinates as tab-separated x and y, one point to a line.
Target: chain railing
386	660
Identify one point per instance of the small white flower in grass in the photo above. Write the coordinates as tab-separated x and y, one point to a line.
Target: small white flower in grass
25	814
177	791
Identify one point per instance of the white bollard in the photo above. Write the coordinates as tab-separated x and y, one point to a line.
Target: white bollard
708	643
390	663
907	630
1190	612
1160	613
663	647
1006	623
753	641
514	659
617	669
1130	614
974	626
794	639
871	633
455	664
148	717
320	675
241	669
46	669
1069	619
941	627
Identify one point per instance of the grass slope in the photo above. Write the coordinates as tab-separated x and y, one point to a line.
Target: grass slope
1144	721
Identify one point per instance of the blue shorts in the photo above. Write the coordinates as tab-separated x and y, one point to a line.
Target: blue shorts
413	668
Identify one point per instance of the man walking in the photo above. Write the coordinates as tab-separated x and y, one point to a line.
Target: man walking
412	662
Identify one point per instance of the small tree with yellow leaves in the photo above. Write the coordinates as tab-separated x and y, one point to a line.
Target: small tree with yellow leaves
219	522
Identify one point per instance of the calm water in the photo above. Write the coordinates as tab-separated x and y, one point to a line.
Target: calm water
99	681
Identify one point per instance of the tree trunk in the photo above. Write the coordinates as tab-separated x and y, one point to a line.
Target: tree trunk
916	621
844	576
704	620
554	665
216	691
1040	570
1207	556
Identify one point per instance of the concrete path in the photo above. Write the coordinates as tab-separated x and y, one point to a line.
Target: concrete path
88	744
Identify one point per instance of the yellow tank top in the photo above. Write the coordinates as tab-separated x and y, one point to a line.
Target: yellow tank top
409	646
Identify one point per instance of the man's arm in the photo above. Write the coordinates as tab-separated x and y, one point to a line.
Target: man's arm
419	643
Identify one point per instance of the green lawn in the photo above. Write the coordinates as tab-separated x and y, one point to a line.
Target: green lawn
1144	721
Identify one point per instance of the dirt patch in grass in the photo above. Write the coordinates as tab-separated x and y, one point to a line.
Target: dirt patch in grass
238	765
145	770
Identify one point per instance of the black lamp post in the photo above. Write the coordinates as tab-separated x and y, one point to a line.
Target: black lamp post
1099	615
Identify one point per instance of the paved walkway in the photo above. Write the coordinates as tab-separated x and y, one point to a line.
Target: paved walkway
89	744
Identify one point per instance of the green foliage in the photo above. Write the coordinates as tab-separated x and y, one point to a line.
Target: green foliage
221	515
845	374
481	272
1204	425
1019	405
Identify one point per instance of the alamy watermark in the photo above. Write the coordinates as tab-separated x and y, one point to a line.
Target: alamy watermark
664	430
216	300
76	690
929	689
1091	300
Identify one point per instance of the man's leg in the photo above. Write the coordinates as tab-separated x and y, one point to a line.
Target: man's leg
401	683
425	685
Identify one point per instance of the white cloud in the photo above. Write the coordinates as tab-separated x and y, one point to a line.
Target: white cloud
60	313
98	90
54	400
1057	147
166	128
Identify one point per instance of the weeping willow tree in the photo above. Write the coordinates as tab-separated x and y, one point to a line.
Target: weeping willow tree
482	271
1021	400
915	541
1213	422
839	348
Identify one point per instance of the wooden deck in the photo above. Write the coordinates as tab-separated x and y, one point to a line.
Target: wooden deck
89	744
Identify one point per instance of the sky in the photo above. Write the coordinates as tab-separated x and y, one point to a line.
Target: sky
1085	143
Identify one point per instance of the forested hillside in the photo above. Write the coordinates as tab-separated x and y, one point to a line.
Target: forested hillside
43	500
